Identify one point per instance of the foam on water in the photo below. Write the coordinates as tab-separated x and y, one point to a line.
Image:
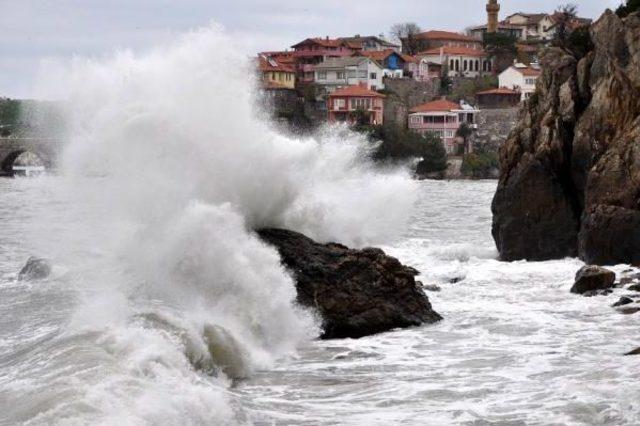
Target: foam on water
171	295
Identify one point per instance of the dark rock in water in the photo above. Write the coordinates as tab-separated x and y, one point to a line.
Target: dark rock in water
431	288
635	287
35	269
569	170
629	310
592	293
623	301
455	280
634	352
593	278
356	292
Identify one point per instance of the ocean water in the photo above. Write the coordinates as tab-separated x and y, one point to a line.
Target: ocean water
514	348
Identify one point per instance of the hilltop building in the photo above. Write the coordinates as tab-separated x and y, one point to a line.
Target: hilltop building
347	105
312	51
521	78
434	39
460	61
443	118
336	73
392	62
369	43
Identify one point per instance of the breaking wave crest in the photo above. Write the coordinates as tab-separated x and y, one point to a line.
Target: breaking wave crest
176	172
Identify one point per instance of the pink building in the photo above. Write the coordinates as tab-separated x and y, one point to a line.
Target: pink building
344	104
443	118
312	51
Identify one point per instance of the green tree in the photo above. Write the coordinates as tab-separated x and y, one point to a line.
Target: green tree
480	164
464	132
630	7
501	48
565	15
434	156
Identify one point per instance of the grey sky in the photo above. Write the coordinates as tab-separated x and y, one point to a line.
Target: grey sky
37	30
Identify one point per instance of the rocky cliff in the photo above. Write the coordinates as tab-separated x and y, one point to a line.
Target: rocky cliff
570	170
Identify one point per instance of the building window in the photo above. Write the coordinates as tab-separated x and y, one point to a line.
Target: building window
452	65
339	103
322	75
360	103
465	65
351	74
457	64
415	120
448	133
340	75
530	81
373	76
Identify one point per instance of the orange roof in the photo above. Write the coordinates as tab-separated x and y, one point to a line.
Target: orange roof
449	50
499	91
324	42
528	71
271	64
379	55
436	106
445	35
356	91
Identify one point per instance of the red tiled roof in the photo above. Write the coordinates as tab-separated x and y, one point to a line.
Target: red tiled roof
324	42
266	66
435	106
358	91
445	35
381	55
450	50
499	91
528	71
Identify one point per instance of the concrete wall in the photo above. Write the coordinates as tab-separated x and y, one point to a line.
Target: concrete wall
494	126
402	94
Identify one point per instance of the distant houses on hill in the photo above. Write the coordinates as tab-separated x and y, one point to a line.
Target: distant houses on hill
346	79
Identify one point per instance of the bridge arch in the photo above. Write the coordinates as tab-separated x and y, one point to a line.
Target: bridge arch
9	160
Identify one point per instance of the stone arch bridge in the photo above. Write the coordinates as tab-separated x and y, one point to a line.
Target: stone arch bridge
47	149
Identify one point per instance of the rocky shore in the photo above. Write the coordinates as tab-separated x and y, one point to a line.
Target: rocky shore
570	171
355	292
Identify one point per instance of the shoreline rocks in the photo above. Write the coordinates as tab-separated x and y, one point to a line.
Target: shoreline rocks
36	268
570	171
356	292
592	278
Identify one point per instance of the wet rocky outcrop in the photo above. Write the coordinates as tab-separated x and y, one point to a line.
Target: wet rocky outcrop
593	278
355	292
570	170
36	268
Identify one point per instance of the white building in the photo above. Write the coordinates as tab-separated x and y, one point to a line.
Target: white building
521	78
336	73
536	26
460	61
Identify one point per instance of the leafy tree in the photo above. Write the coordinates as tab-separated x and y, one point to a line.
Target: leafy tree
630	7
579	42
464	132
501	48
445	81
565	15
397	143
480	164
407	34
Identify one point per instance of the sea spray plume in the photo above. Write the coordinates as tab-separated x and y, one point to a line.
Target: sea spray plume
165	149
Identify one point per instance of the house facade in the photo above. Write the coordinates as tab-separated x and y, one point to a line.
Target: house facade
370	43
535	26
521	78
392	62
460	61
348	104
515	31
312	51
276	72
421	69
435	39
443	118
336	73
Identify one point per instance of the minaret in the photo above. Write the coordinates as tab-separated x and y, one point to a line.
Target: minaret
492	12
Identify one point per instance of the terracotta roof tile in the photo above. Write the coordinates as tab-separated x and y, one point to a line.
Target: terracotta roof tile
528	71
434	106
445	35
450	50
359	91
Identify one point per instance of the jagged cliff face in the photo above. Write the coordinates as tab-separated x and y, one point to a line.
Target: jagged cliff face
570	171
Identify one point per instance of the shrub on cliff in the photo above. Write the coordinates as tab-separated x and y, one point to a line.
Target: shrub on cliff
480	165
397	143
630	7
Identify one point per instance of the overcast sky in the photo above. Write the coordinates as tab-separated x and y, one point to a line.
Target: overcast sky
32	31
